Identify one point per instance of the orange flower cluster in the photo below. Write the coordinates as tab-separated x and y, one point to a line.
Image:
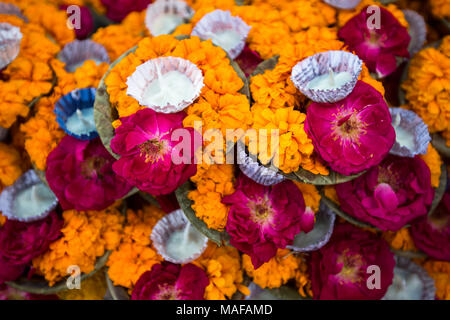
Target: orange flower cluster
345	15
223	268
310	194
440	272
92	288
330	193
135	255
303	279
42	132
86	236
116	39
11	165
29	75
273	274
213	183
427	87
220	105
434	162
440	8
277	104
2	220
400	240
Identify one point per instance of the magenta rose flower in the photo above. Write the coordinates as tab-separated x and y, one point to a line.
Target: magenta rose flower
20	242
264	218
248	60
81	176
117	10
390	195
378	46
146	144
353	134
9	293
86	22
432	233
168	281
10	272
340	270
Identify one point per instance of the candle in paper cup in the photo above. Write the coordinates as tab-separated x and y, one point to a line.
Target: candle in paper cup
81	121
28	199
163	16
166	84
176	240
330	81
225	31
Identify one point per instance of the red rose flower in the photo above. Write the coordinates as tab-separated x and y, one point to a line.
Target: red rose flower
117	10
264	218
81	176
168	281
432	233
340	270
389	195
378	46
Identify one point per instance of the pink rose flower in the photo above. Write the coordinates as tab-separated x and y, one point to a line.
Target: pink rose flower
353	134
340	270
248	60
81	176
432	233
144	142
10	272
378	46
168	281
390	195
86	22
264	218
117	10
9	293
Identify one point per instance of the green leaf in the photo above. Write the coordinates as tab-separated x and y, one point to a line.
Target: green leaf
306	176
410	254
40	286
268	64
104	114
116	292
440	191
440	144
219	237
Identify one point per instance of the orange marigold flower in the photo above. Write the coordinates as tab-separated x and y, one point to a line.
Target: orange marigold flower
11	166
42	133
400	240
135	255
427	87
2	219
303	280
116	39
440	8
310	194
223	268
440	272
273	274
86	236
434	162
213	183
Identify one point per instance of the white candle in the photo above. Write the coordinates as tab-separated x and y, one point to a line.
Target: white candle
226	39
184	243
403	137
33	201
330	81
81	121
170	88
405	286
165	24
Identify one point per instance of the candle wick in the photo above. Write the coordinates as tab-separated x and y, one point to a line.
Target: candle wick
186	233
82	118
397	120
34	193
330	71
